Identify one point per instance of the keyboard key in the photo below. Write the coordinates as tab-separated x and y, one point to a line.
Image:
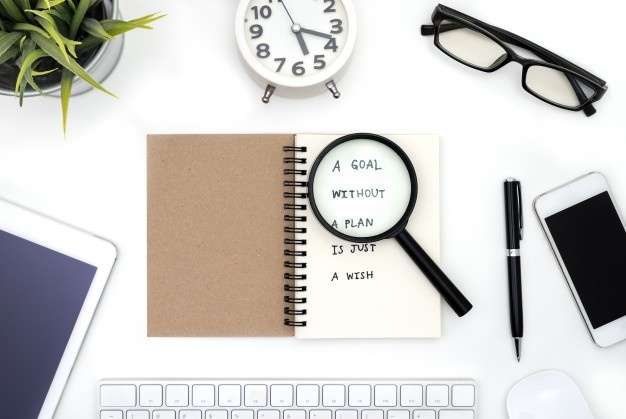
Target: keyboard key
307	395
346	414
385	395
294	414
164	414
190	414
463	395
216	414
242	414
423	414
151	395
281	395
177	395
398	414
117	395
255	395
138	414
437	395
320	414
456	414
268	414
372	414
333	395
411	395
359	395
203	395
111	414
229	395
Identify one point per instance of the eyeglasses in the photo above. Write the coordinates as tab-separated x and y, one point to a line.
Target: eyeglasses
482	46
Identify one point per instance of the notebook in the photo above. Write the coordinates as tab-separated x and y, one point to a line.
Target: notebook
234	250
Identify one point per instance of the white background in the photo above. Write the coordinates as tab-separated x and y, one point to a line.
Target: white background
185	77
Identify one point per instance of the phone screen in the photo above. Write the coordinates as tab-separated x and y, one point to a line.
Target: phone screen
591	240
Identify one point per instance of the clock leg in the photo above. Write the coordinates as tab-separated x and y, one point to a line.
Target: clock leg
269	91
333	89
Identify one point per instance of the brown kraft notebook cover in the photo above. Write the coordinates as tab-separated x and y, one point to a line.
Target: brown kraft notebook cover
215	235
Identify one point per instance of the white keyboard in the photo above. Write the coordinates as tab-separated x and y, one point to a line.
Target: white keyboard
287	399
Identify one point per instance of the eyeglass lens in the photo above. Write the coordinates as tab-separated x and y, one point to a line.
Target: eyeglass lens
557	86
479	51
469	46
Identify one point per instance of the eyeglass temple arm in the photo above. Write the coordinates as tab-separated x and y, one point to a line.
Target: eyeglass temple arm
541	52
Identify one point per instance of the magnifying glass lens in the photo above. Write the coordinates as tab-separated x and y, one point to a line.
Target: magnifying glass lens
362	188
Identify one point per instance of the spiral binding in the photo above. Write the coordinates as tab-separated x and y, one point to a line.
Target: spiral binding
290	230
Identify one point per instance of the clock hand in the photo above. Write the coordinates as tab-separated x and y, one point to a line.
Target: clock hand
295	28
288	14
316	33
298	33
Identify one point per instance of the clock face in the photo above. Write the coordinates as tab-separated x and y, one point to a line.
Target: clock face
296	39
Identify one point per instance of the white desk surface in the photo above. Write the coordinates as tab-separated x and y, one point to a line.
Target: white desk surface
185	77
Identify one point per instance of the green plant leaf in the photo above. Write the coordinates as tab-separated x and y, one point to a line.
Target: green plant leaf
53	51
45	14
29	79
22	89
48	4
93	27
31	28
13	12
51	29
28	62
24	4
79	16
9	54
116	27
7	41
3	13
148	18
67	79
89	43
59	14
43	73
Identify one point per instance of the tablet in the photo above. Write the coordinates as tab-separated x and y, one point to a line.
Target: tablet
51	278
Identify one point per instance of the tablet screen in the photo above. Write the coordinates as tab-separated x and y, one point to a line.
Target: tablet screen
41	295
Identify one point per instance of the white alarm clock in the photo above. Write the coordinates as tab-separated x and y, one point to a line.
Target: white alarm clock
296	48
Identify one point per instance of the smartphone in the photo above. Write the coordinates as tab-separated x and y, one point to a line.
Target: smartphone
588	237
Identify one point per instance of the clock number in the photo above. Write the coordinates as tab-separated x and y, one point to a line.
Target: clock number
282	63
262	50
319	62
331	44
256	30
265	12
337	28
298	69
330	9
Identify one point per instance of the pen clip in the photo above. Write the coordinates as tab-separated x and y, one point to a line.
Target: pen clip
519	210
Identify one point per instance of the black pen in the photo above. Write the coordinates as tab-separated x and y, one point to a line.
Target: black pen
514	233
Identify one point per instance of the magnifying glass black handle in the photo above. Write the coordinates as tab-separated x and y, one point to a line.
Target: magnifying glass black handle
440	281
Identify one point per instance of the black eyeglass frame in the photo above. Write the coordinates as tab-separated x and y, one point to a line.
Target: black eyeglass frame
500	36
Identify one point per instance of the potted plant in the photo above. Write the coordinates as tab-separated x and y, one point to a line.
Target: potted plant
60	47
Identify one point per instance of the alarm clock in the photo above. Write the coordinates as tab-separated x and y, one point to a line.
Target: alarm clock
296	48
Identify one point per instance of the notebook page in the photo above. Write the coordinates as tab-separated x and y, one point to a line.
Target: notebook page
372	290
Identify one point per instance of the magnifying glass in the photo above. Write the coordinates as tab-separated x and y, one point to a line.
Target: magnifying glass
362	188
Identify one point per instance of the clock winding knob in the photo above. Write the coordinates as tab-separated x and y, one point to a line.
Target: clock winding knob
269	91
333	89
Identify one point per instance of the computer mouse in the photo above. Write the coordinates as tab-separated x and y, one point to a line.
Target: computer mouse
547	394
